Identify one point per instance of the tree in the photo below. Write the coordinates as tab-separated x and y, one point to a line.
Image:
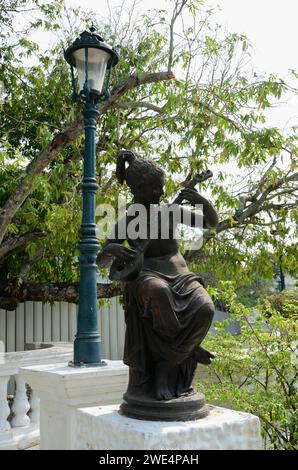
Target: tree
212	115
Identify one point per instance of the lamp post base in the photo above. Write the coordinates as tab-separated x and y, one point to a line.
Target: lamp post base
87	351
84	364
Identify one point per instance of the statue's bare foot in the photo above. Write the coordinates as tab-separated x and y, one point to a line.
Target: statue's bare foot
203	356
162	391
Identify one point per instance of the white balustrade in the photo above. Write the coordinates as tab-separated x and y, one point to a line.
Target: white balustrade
34	407
20	405
4	408
23	429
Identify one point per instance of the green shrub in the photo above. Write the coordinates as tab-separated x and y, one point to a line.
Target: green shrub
256	371
286	303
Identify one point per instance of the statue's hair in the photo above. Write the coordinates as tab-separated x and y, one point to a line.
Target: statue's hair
138	172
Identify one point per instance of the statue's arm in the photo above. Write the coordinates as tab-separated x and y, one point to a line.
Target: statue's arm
210	217
191	218
113	245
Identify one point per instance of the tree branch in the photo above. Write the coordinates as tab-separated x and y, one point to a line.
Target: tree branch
62	140
262	182
278	207
255	207
25	268
244	216
35	167
131	82
177	11
14	243
11	295
140	104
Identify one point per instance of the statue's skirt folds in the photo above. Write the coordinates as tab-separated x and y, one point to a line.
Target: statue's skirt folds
168	313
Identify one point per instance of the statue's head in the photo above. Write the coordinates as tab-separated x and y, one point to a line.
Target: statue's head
144	177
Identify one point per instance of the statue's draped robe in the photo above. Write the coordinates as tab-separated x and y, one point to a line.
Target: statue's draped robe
168	313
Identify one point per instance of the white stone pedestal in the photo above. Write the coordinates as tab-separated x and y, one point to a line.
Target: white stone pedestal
103	428
63	389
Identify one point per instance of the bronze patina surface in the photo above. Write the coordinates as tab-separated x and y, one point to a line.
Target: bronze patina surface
168	312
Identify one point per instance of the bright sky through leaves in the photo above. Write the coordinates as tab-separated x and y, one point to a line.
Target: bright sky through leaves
271	27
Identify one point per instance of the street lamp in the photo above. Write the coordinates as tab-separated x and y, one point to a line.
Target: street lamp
89	57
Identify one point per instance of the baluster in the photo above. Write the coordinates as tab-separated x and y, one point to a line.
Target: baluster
34	406
4	408
20	405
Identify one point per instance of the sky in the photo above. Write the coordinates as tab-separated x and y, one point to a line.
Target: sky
271	26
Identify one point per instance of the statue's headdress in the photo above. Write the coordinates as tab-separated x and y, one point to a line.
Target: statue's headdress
138	172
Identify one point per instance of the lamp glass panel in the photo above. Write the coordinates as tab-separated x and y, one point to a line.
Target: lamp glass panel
97	64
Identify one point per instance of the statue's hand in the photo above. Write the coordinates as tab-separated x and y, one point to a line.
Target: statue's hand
103	261
114	249
191	195
203	356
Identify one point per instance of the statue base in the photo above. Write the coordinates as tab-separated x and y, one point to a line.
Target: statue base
185	408
104	428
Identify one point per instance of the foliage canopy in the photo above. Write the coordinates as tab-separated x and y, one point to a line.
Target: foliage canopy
211	116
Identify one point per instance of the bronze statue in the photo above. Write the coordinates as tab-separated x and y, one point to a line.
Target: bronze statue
168	312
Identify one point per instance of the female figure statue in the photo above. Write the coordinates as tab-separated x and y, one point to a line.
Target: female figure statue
167	310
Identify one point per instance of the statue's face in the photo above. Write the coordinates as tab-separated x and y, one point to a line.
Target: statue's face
149	194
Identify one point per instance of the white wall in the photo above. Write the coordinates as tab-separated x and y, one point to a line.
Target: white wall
44	322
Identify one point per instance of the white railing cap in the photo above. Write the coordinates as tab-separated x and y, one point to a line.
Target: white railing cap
59	352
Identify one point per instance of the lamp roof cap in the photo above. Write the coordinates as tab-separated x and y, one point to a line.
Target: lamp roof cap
91	39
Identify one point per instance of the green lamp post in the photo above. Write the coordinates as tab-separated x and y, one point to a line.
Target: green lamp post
89	57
